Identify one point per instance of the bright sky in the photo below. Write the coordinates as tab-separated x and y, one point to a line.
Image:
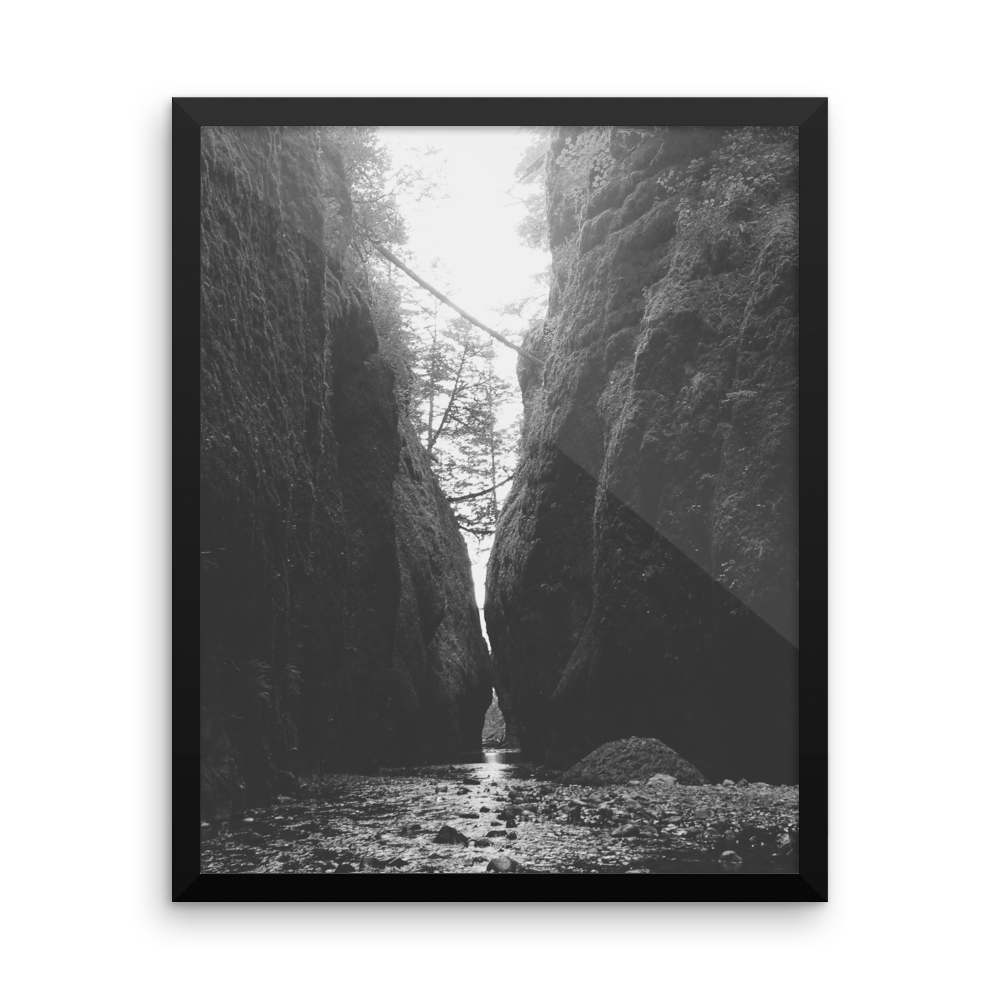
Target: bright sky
470	225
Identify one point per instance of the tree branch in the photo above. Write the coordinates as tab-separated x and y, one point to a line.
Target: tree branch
393	259
454	394
472	496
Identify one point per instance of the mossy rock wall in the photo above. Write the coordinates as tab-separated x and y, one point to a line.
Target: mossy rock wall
308	520
643	581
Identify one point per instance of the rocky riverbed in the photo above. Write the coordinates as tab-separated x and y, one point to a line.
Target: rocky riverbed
488	817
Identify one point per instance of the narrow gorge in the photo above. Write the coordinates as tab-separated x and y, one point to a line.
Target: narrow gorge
642	587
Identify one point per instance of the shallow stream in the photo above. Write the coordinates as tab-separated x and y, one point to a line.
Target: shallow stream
388	824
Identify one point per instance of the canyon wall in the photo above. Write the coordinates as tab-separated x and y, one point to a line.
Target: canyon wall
339	623
643	581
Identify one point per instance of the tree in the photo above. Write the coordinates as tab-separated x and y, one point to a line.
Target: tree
529	188
374	183
445	377
459	405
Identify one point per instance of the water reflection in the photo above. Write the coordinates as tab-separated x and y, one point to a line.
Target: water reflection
487	756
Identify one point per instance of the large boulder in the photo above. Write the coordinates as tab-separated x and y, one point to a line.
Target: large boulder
644	575
632	759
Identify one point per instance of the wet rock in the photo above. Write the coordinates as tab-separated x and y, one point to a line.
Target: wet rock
635	758
462	791
661	781
398	863
497	833
728	783
410	829
626	830
638	871
471	781
373	862
344	869
483	842
512	834
754	836
511	823
449	835
484	809
574	812
503	865
788	844
495	822
742	783
468	815
731	858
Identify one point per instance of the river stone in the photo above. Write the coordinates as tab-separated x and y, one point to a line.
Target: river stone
628	830
660	781
483	842
449	835
502	865
635	758
731	858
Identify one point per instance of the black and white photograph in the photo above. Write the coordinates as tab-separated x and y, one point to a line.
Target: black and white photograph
499	498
